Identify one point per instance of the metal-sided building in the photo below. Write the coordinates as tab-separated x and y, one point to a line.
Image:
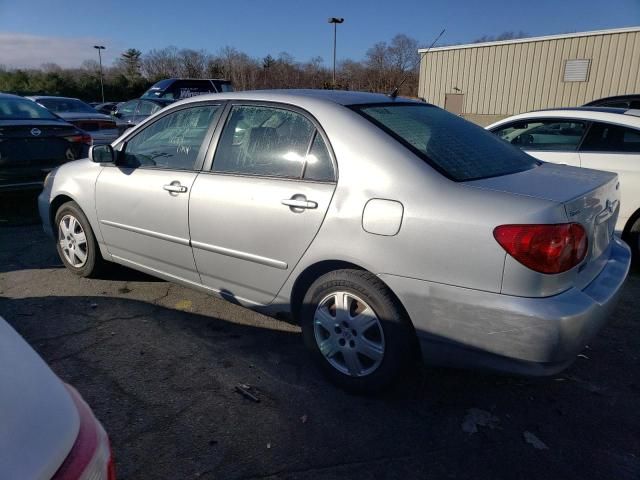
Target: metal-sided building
485	82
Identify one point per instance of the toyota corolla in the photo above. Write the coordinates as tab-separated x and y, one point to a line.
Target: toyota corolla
384	226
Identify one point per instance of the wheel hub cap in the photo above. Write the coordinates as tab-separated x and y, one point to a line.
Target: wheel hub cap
349	334
73	241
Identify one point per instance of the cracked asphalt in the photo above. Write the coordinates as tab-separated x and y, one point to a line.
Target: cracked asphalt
159	363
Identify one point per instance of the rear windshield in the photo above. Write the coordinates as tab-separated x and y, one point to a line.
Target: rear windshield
61	105
21	109
455	147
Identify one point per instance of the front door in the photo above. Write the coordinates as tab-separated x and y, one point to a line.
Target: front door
255	212
143	201
453	102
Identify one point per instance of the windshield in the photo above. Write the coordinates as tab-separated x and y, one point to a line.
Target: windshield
21	109
61	105
455	147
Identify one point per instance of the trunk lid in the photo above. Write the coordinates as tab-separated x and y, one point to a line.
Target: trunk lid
31	148
588	197
39	422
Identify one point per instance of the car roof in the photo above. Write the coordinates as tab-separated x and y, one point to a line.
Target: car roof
9	95
629	96
621	116
51	97
301	96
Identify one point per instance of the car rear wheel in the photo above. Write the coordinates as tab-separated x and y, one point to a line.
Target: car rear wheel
356	330
76	243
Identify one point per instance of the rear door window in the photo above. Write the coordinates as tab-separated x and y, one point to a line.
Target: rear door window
455	147
541	134
604	137
264	141
319	166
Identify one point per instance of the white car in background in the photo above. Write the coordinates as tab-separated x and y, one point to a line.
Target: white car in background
591	137
47	432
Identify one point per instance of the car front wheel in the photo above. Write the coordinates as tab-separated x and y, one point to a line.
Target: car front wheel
356	330
76	243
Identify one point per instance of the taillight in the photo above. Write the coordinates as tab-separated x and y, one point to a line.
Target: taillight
83	138
90	457
544	248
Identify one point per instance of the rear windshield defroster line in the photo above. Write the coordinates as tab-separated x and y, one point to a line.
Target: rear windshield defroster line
458	149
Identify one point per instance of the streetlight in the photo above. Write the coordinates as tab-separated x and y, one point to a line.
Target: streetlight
335	21
100	47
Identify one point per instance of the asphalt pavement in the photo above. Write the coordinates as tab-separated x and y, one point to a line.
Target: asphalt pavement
159	364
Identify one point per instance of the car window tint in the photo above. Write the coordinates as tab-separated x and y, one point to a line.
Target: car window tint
263	141
603	137
319	166
172	141
15	108
552	134
457	148
62	105
148	108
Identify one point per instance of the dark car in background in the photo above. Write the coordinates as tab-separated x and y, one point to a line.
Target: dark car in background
101	127
107	108
131	113
180	88
619	101
33	141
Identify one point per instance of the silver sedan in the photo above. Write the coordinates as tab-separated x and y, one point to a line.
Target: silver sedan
386	227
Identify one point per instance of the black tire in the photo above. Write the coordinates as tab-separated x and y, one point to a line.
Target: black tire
94	262
633	240
397	331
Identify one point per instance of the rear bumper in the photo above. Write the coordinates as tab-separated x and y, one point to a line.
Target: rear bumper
532	336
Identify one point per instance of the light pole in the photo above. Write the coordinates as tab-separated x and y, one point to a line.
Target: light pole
335	21
100	47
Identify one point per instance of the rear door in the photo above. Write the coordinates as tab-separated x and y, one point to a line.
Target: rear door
254	211
548	139
142	202
616	149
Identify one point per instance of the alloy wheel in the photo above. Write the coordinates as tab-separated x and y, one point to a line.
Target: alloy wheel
349	334
73	241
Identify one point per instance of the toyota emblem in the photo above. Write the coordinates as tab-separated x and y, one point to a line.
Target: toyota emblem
35	132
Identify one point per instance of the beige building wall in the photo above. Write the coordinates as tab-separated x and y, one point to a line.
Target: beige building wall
499	79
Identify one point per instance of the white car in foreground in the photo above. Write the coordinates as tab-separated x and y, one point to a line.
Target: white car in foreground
47	432
592	137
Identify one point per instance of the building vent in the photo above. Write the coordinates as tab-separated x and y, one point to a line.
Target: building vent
576	70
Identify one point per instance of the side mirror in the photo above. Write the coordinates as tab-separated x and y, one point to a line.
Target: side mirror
102	154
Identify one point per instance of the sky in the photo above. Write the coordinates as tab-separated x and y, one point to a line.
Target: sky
33	32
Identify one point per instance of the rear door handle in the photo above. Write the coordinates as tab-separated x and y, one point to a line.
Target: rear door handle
300	202
175	187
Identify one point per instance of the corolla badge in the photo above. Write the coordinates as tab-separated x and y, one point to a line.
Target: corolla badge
35	132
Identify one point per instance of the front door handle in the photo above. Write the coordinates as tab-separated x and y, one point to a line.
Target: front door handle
299	201
175	187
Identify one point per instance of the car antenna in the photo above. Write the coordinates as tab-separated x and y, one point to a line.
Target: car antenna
394	93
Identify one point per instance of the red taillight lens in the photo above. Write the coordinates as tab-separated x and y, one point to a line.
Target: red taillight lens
544	248
84	138
90	457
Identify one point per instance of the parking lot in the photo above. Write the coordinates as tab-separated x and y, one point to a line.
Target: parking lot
159	365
